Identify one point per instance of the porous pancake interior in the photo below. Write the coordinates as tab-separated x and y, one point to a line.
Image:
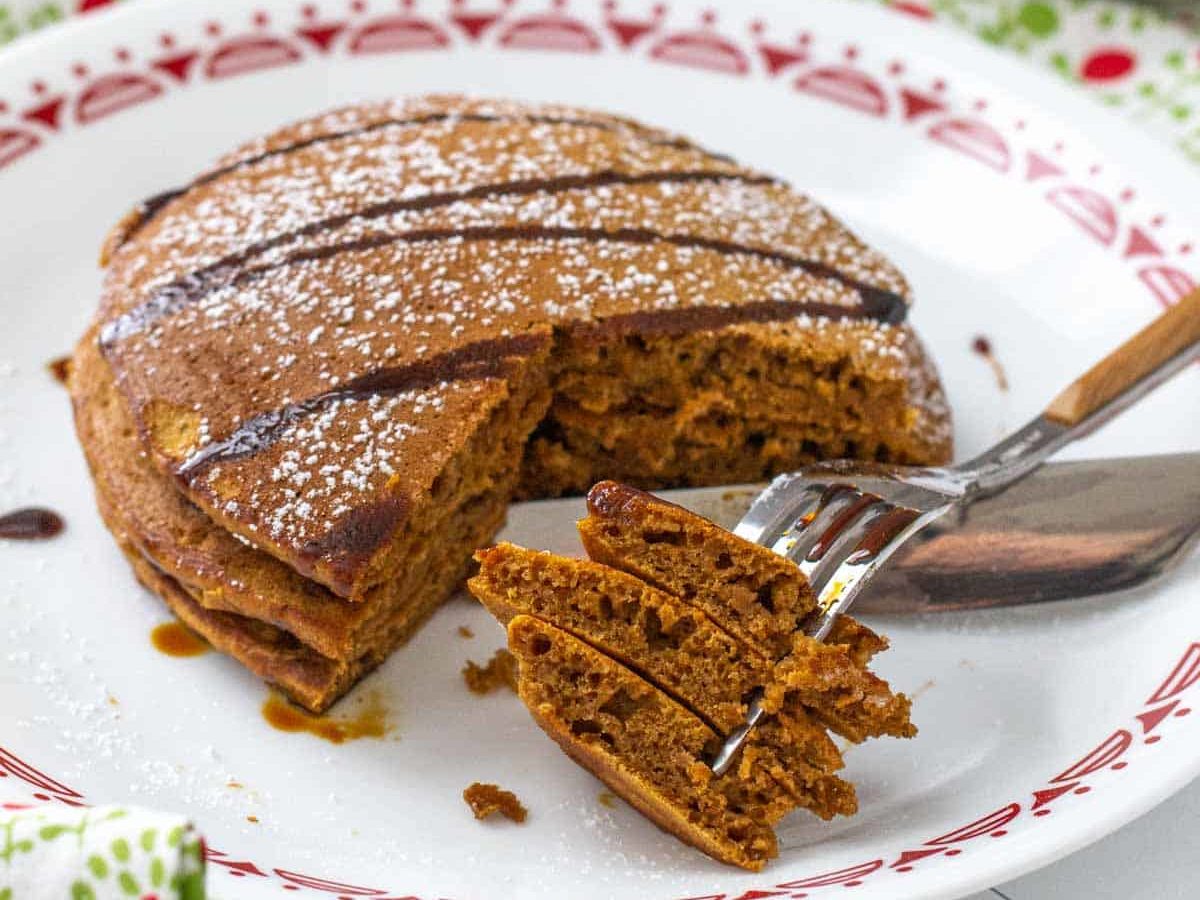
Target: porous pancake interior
667	641
747	589
737	404
645	746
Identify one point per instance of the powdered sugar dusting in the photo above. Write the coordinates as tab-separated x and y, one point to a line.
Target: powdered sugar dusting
299	311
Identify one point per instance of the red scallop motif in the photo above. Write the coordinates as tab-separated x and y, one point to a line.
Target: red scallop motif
1091	211
1169	285
551	32
1105	754
847	86
918	10
322	884
702	50
980	826
113	93
397	34
975	139
1187	671
14	144
14	765
840	876
252	53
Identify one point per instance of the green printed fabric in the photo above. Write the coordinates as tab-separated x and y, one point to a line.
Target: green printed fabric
104	852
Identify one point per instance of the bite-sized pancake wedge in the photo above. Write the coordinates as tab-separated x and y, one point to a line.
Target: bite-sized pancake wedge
756	595
749	591
645	746
674	646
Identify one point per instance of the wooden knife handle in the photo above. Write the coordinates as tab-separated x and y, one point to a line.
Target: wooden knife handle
1171	333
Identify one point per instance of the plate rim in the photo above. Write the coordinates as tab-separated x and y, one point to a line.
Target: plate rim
1055	100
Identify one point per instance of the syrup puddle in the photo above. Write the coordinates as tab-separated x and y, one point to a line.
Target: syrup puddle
176	639
368	719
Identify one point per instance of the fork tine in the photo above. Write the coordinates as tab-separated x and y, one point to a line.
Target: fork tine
842	538
805	531
889	528
775	512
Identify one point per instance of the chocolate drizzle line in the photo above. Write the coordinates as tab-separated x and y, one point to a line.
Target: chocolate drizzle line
33	524
876	303
152	206
487	359
473	362
192	287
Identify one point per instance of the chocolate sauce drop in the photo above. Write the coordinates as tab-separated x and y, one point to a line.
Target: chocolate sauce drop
60	368
32	524
981	346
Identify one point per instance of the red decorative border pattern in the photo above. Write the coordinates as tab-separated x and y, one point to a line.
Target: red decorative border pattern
1166	702
224	50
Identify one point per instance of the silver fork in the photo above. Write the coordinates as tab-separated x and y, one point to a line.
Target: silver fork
840	521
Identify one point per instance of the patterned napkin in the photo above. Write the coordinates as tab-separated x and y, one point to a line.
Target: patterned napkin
99	853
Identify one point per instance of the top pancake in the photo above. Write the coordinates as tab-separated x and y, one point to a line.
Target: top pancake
302	334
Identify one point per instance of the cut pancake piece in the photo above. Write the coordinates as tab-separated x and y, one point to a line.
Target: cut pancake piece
219	573
645	746
749	591
691	557
662	638
672	645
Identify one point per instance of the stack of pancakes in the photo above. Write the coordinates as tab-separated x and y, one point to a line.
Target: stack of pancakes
319	373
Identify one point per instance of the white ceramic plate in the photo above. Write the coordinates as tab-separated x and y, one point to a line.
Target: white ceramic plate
1020	212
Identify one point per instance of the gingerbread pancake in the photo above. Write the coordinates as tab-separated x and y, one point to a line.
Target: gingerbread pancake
335	356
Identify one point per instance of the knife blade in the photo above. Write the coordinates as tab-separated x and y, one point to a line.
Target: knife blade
1072	529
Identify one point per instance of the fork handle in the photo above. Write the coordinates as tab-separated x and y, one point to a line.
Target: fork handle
1164	348
1152	347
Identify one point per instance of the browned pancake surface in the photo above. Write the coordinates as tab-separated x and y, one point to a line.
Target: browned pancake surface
300	334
